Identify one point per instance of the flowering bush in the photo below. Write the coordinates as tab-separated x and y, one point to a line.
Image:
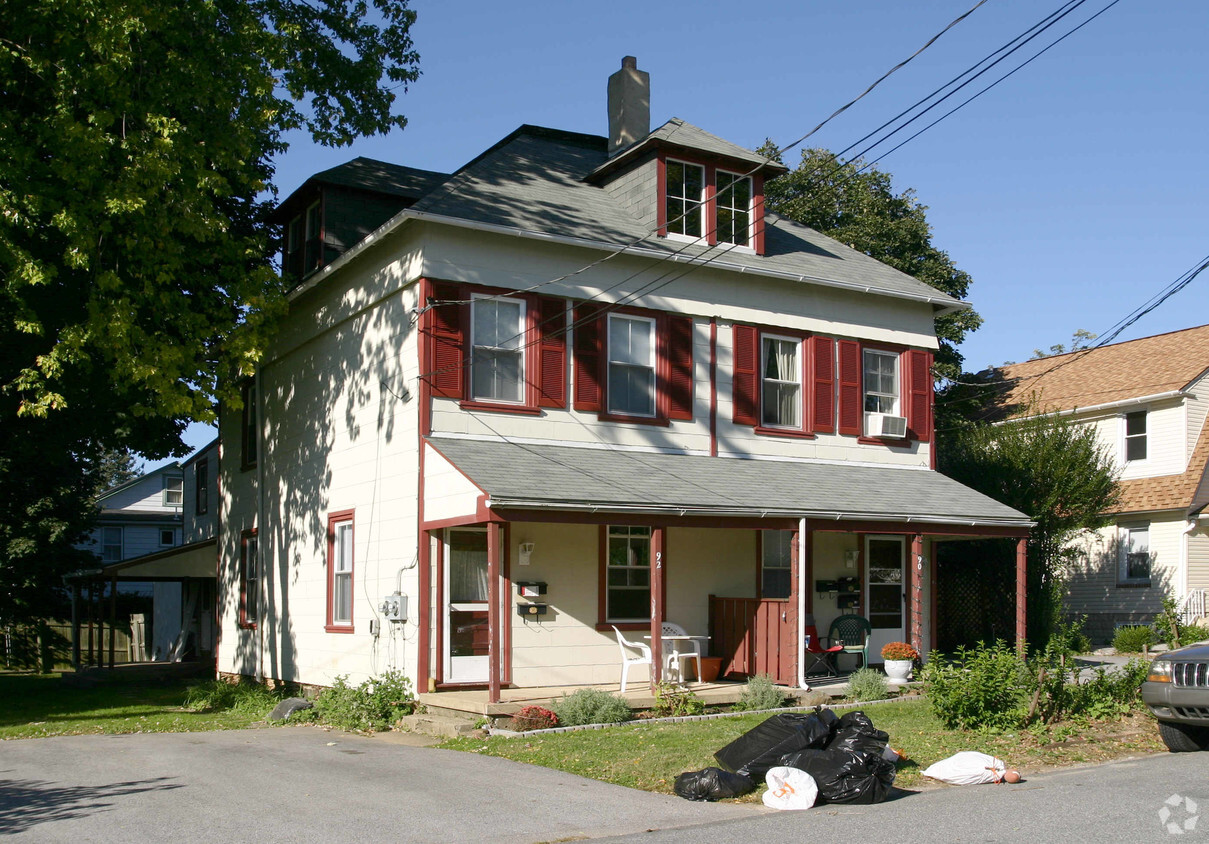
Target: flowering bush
899	650
534	718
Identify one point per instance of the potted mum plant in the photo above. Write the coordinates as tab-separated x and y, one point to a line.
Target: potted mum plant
899	660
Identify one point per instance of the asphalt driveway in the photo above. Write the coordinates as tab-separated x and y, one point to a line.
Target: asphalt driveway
301	784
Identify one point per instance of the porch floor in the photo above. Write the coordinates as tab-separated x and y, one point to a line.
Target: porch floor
474	701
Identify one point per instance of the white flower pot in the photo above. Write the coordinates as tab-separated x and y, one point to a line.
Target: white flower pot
898	670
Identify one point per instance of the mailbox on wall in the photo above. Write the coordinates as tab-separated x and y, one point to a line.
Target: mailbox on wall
532	610
530	588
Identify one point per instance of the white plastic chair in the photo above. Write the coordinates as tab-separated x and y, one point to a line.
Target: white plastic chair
670	628
626	660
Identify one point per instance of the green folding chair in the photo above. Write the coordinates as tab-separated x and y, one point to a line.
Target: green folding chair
853	632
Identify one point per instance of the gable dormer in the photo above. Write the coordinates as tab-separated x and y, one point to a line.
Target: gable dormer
687	184
335	209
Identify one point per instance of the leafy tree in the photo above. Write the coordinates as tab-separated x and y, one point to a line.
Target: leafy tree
136	159
1078	340
862	210
1054	471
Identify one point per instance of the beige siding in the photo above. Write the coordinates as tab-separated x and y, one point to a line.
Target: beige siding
1094	586
1197	409
448	493
340	433
564	647
1198	558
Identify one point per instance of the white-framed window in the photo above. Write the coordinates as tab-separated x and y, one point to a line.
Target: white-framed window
1135	553
631	381
881	382
174	490
781	382
497	358
1135	436
111	544
628	574
685	190
733	208
167	537
776	560
340	584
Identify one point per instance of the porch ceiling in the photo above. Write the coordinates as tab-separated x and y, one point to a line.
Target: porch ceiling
198	559
543	477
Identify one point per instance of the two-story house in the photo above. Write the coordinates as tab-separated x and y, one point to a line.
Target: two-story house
158	533
582	383
1147	400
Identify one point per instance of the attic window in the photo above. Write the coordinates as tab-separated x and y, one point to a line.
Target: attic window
685	191
733	202
1135	436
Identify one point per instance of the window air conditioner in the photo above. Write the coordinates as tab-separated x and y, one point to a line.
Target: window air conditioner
886	426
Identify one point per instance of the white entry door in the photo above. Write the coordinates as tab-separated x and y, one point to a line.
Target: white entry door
885	591
465	615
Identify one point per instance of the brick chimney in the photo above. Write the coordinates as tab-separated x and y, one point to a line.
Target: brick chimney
629	105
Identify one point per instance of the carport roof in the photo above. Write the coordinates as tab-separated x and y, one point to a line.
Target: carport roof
528	476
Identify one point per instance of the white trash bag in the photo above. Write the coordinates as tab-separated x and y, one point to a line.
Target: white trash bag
790	788
968	767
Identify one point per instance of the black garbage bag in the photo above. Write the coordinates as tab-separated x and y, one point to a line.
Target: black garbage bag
845	776
712	784
761	747
855	731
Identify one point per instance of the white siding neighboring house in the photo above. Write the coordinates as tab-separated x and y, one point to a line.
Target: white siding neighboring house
1147	400
161	528
571	387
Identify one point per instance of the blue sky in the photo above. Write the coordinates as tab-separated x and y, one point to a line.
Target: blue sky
1071	192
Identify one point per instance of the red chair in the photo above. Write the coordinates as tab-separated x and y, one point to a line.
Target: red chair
822	656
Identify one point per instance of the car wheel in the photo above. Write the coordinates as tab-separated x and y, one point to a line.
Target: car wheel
1181	738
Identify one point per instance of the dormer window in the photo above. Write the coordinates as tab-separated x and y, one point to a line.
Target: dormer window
733	203
685	193
303	251
704	202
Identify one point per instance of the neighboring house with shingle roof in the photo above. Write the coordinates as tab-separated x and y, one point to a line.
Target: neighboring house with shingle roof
1148	400
581	383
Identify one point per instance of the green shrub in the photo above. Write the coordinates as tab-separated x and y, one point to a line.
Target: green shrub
221	696
868	684
1068	638
986	686
760	693
1194	633
375	704
674	701
534	718
1106	695
1133	639
592	706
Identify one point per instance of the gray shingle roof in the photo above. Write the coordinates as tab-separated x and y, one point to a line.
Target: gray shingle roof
541	476
381	177
679	133
533	181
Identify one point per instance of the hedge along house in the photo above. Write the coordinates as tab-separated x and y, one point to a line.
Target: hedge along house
584	382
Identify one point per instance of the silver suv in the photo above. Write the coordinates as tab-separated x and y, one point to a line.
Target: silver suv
1177	691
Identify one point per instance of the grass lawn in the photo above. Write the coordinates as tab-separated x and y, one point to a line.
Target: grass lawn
650	756
41	705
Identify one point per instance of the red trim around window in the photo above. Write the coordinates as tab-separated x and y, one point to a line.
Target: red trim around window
333	519
747	404
248	612
711	166
602	592
674	374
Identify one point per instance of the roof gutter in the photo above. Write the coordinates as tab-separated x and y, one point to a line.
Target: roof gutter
943	304
771	513
1092	408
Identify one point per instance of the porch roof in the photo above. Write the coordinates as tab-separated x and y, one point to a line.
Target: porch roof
568	478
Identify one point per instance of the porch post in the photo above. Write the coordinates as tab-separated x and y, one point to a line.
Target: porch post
113	618
1021	592
75	625
915	601
658	543
493	612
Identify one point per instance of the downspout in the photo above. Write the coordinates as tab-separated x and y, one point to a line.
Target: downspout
802	586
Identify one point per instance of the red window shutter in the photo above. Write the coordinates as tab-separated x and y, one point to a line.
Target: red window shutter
552	353
919	403
822	352
746	379
588	357
680	367
850	387
447	329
